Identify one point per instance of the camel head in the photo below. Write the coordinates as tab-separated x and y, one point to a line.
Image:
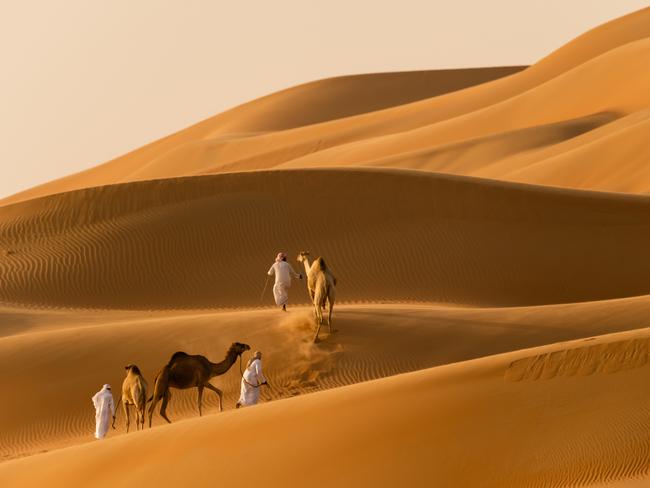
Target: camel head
132	368
239	348
302	256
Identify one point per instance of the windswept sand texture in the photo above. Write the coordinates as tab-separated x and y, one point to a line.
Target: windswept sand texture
490	233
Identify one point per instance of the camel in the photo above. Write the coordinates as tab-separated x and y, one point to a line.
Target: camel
187	371
134	392
321	284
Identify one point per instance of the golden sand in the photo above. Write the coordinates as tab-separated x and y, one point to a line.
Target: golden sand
489	230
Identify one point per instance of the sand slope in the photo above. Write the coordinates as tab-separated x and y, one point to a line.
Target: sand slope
207	242
372	341
457	427
611	158
616	86
346	96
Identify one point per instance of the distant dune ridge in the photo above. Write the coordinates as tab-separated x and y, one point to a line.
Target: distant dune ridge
489	229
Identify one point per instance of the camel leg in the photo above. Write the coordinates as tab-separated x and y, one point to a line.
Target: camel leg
155	398
138	414
143	409
160	391
219	393
200	388
154	401
329	315
319	321
163	408
317	331
128	417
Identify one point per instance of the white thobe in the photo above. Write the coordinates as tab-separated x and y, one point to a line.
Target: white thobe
250	383
104	411
283	273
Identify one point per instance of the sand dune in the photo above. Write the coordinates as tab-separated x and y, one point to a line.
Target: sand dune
372	342
416	127
207	242
489	232
595	152
554	90
353	434
346	96
306	104
610	158
616	86
469	156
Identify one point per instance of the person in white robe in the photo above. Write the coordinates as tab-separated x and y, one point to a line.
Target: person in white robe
283	273
104	411
252	379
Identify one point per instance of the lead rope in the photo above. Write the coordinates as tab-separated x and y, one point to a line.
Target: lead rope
241	372
262	295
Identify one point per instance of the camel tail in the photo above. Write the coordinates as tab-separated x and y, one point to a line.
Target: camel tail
142	404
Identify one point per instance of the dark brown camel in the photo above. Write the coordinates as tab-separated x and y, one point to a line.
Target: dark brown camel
186	371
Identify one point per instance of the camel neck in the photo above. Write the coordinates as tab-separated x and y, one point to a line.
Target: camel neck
220	368
307	266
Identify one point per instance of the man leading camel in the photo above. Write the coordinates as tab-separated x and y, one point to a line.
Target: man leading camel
283	273
251	380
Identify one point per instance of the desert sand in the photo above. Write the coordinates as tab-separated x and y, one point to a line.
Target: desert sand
489	229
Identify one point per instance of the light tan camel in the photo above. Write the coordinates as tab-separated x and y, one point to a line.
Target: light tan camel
186	371
321	284
134	392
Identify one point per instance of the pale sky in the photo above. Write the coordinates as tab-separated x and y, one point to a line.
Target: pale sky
84	81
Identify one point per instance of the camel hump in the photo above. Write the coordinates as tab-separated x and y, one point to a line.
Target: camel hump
134	369
321	264
177	355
